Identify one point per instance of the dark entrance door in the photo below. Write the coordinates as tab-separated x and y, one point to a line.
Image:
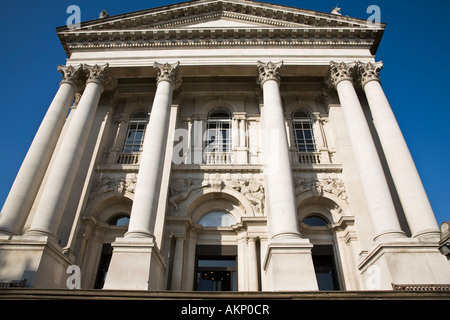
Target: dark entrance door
216	268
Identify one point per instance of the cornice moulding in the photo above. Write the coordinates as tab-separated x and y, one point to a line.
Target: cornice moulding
237	23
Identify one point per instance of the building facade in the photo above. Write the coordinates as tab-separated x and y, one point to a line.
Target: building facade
221	146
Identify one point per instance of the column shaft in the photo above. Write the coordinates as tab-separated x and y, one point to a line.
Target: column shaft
29	178
277	166
411	192
375	188
145	204
62	175
252	265
177	273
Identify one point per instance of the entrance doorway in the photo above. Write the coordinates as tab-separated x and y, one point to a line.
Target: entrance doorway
216	268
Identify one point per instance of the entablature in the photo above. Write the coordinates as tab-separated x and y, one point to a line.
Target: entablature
221	24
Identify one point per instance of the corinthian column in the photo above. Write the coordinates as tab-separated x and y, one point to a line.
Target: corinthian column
146	197
137	263
413	198
29	178
277	167
60	180
375	188
288	262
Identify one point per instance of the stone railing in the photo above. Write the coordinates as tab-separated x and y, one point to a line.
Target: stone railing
421	287
308	157
127	158
218	157
13	283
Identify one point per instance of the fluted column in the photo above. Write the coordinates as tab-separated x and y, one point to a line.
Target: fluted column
375	188
29	178
145	204
282	217
60	180
408	184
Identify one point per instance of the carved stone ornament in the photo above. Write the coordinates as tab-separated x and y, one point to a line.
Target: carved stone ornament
118	185
98	74
72	75
180	190
253	191
369	71
168	72
340	71
319	187
269	71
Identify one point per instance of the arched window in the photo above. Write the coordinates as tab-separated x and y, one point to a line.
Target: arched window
322	253
217	219
303	132
119	220
315	221
135	132
218	132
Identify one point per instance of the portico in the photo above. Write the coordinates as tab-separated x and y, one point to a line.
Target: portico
223	145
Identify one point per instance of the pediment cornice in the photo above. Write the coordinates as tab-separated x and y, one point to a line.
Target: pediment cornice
205	23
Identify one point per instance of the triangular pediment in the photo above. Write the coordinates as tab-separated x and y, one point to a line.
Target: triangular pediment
214	14
206	19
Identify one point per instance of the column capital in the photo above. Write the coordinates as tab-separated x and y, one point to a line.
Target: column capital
369	71
73	75
340	71
168	72
98	74
269	71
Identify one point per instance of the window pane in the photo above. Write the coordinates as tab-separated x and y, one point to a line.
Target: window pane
315	221
217	219
216	263
303	132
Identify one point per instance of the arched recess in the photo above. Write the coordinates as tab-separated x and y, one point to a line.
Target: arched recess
236	203
218	104
222	241
98	229
336	238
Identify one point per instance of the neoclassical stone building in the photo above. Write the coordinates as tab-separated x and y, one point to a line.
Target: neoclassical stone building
220	145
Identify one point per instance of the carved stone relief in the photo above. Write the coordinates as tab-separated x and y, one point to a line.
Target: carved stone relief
320	186
118	185
253	191
181	189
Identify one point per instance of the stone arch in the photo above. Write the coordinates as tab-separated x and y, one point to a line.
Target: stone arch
308	106
218	103
105	206
137	106
208	199
326	204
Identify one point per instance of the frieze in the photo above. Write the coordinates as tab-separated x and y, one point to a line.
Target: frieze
253	191
181	189
119	186
321	186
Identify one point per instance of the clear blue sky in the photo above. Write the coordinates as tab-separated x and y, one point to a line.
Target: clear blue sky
415	51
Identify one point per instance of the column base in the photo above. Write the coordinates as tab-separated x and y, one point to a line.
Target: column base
38	259
403	261
289	267
136	264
